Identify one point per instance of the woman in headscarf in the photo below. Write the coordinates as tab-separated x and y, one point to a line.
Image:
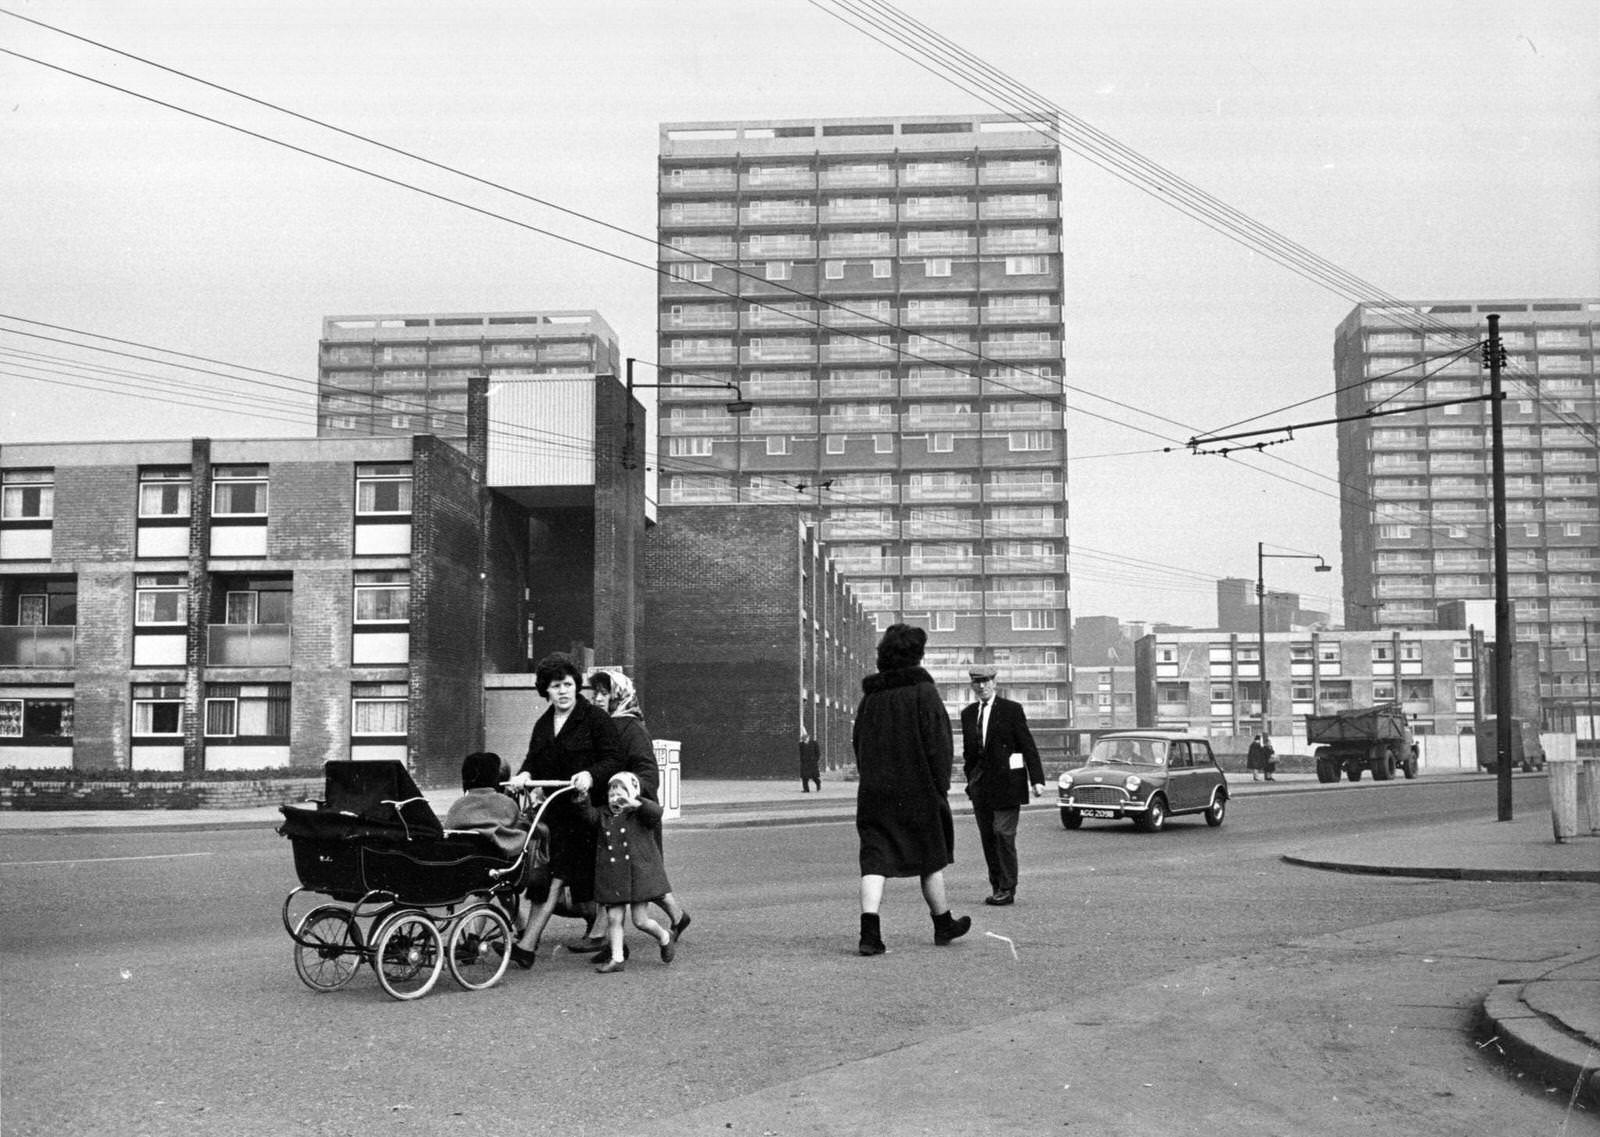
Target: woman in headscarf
904	754
615	690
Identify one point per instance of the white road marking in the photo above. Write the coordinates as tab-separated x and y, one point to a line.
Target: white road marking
101	860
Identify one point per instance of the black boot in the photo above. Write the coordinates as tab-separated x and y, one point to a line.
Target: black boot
871	937
947	928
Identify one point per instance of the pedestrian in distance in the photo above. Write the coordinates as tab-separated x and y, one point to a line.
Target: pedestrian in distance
628	873
576	742
1002	764
810	763
1269	759
615	692
1255	759
904	755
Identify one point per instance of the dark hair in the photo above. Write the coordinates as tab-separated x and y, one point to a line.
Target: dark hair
483	770
552	668
600	682
901	646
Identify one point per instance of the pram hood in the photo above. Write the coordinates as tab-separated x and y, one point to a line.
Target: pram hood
373	797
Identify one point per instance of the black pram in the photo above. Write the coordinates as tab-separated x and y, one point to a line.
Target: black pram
410	897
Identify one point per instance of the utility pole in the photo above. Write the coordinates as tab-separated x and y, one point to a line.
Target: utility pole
1504	652
1588	686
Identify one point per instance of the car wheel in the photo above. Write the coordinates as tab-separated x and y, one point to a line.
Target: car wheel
1071	819
1217	811
1154	819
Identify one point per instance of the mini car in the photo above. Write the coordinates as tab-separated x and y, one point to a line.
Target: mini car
1146	775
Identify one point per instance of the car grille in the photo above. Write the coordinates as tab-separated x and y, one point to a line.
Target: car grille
1098	795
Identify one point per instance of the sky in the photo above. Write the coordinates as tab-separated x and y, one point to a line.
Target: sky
1435	150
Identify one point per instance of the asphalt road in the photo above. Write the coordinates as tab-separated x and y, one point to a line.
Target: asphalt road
1183	982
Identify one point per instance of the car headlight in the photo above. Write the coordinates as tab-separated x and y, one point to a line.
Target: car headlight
1131	783
1064	781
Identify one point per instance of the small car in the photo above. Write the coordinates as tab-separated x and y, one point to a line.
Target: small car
1146	775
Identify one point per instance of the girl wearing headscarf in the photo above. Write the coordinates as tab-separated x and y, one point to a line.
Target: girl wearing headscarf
628	872
614	689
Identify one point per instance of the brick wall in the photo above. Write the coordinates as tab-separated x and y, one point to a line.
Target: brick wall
446	612
55	794
724	644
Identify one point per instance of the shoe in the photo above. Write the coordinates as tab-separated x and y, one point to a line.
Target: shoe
680	926
1001	897
523	958
610	966
605	953
583	945
950	929
871	937
668	950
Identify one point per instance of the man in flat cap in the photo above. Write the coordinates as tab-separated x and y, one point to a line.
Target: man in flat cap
1001	763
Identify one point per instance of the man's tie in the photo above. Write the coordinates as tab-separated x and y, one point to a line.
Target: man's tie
983	724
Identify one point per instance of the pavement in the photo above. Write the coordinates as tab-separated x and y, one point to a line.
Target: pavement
1546	1019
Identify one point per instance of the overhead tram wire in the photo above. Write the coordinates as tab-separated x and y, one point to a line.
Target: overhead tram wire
527	439
924	32
446	198
660	245
1105	151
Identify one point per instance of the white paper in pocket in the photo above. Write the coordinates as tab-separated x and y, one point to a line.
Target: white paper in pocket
1016	760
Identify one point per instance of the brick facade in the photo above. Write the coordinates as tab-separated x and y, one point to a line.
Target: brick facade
749	638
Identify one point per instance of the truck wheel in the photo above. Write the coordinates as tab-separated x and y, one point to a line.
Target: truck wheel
1353	772
1383	766
1327	770
1410	768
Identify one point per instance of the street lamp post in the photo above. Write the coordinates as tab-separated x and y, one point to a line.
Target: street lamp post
738	405
1261	623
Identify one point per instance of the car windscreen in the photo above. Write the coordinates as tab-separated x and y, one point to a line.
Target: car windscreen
1129	752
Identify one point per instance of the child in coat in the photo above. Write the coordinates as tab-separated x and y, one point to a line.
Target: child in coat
628	871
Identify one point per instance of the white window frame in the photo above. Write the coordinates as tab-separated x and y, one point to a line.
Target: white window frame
834	443
11	711
232	704
938	266
153	486
882	268
143	708
227	482
366	589
941	442
883	444
361	701
778	270
155	593
1030	265
833	269
1020	441
778	445
690	447
1033	620
28	495
369	481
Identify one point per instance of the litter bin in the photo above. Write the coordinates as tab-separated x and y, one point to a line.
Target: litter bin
668	755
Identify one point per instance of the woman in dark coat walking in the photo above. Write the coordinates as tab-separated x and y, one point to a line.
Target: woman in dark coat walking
575	741
904	756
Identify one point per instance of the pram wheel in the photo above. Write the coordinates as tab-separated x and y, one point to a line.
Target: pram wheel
479	947
327	949
408	955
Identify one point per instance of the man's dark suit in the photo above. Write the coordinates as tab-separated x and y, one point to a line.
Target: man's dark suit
997	786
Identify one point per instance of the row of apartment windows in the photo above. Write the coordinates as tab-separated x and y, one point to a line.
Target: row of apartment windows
911	171
879	268
257	713
236	491
1322	651
1336	690
778	445
1389	531
1021	619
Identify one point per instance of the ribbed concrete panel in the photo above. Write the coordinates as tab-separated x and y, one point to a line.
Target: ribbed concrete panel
541	432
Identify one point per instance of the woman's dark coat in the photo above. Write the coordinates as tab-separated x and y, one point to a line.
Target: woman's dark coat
904	755
588	741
